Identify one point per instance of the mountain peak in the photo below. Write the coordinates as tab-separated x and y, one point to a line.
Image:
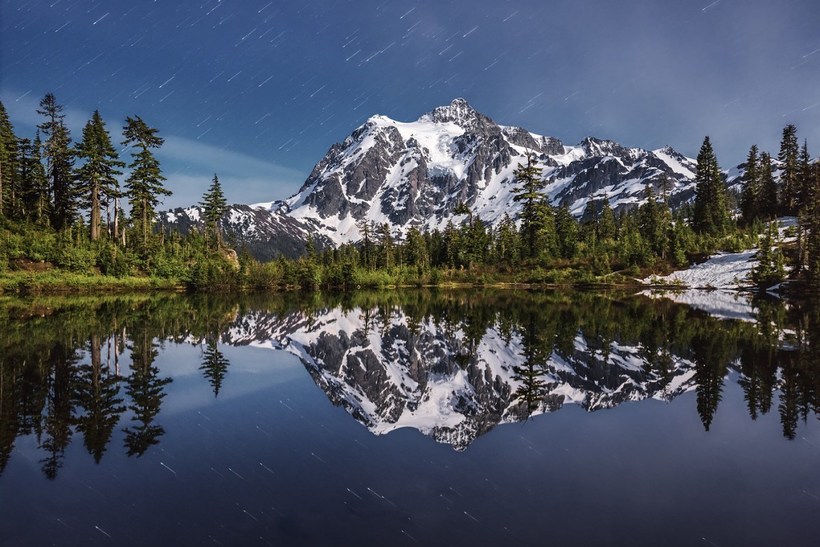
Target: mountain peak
458	111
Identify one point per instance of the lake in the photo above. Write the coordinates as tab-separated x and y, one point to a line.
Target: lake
409	418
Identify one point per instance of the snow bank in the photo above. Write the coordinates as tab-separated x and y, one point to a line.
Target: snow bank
722	271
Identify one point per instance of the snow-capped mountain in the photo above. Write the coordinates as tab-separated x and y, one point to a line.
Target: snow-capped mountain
391	372
416	174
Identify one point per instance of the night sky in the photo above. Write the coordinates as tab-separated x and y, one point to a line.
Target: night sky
257	91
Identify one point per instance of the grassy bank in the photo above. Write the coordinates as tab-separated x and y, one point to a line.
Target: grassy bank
57	281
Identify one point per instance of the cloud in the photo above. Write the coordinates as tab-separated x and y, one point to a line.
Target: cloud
190	165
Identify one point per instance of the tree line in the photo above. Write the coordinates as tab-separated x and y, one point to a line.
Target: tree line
544	243
48	182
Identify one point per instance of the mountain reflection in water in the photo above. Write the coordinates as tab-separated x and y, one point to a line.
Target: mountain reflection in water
451	364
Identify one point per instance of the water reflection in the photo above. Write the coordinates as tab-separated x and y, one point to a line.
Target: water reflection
452	365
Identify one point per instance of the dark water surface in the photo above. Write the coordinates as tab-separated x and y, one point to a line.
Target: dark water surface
404	418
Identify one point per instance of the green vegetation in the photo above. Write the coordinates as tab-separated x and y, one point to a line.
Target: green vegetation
46	185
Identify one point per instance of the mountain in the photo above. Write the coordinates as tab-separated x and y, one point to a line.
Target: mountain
415	174
392	371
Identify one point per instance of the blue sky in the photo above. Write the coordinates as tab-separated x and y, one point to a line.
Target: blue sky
257	91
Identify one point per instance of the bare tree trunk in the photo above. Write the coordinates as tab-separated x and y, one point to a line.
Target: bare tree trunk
95	211
116	218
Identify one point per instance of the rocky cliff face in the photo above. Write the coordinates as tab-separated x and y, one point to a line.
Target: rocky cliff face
415	174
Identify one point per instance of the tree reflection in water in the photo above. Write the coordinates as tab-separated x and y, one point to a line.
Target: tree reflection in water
86	366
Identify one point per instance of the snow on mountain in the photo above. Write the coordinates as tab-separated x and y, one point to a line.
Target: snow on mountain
415	174
392	373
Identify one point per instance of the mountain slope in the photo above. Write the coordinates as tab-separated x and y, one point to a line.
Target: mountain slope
415	174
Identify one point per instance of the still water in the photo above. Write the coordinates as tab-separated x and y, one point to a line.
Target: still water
409	418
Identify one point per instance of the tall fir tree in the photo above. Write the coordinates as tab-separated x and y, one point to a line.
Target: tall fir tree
803	214
788	157
607	226
8	161
33	182
144	184
767	205
653	222
214	206
711	210
533	215
506	242
566	231
750	196
812	215
59	157
97	177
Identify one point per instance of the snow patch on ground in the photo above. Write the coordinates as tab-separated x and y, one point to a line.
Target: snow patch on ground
722	271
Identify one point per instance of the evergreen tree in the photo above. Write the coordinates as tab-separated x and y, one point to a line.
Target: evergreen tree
33	182
770	268
653	222
813	230
804	174
532	214
145	181
566	231
788	157
768	204
750	197
506	241
59	163
367	247
803	214
8	160
711	212
386	250
96	178
607	227
214	206
415	250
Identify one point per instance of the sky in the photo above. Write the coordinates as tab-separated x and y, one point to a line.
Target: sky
257	91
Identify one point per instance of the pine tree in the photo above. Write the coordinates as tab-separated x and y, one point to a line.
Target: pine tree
767	205
33	182
415	249
803	214
366	255
8	161
214	206
770	268
788	157
532	214
506	242
566	231
813	230
386	248
653	221
97	178
145	182
750	196
711	212
59	159
607	227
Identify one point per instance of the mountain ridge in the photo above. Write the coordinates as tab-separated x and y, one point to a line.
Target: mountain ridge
415	174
